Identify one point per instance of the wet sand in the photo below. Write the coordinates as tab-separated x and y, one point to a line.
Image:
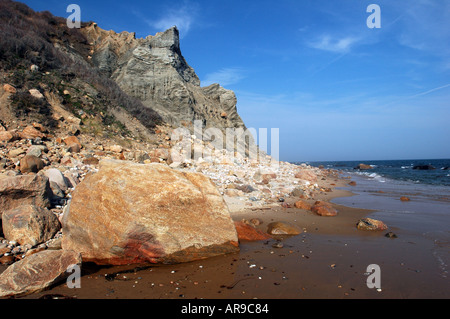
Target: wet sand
327	261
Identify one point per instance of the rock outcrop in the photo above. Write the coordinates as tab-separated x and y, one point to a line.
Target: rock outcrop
153	70
134	213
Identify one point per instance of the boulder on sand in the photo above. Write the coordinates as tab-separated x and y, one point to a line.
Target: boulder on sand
37	272
130	213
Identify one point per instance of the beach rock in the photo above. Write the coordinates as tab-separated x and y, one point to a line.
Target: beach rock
57	193
31	164
37	272
7	259
74	148
302	205
7	136
249	233
390	235
29	224
298	192
36	94
116	148
35	150
233	193
256	221
424	167
71	140
363	166
306	175
352	183
56	176
91	160
22	190
30	132
324	209
16	152
130	213
282	228
246	188
370	224
9	88
405	199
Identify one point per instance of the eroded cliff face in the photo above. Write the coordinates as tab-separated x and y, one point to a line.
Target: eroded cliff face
153	70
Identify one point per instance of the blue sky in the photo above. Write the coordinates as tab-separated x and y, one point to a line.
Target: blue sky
336	89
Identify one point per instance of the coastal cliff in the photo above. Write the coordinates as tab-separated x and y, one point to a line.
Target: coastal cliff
153	70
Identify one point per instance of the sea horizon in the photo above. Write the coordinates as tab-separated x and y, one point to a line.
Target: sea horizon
397	170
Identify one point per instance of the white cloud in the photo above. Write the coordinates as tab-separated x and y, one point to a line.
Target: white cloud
224	77
342	45
183	17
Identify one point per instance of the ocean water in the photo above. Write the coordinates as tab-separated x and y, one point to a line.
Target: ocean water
402	170
427	214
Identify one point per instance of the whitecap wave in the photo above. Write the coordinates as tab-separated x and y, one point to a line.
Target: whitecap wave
374	176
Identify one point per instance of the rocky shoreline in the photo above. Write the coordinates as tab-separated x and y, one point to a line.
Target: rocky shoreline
41	172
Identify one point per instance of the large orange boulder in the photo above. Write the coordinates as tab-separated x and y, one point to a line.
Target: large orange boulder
130	213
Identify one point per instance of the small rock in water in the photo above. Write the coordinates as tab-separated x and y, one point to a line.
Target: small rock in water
391	235
278	245
370	224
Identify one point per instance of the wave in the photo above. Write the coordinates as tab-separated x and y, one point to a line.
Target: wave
374	176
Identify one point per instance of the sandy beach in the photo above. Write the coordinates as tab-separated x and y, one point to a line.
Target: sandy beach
328	260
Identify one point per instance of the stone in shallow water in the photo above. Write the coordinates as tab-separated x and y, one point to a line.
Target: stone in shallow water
370	224
282	228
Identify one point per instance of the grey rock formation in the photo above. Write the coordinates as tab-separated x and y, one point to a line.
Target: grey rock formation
153	70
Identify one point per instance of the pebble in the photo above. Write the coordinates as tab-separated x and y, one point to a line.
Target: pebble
278	245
